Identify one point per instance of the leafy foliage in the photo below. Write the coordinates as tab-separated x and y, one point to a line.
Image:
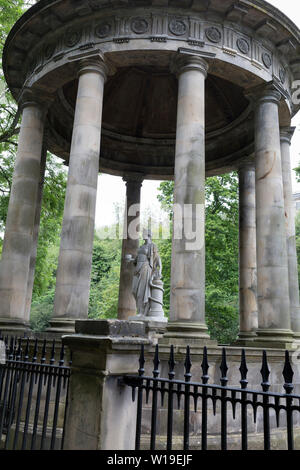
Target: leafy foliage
221	238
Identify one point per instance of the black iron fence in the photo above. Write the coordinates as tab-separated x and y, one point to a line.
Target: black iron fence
33	396
194	396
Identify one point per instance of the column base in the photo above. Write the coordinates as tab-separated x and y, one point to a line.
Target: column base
149	319
184	333
296	340
245	338
61	326
278	339
14	326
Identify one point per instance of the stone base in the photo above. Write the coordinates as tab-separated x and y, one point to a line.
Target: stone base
245	339
275	339
109	328
149	319
192	334
14	327
61	326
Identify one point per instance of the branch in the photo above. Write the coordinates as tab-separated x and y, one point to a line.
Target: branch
13	129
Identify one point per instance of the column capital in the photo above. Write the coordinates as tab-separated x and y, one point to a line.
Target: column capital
286	134
246	166
136	178
270	92
93	62
186	61
34	97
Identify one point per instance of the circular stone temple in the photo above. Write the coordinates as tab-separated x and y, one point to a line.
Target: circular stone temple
157	89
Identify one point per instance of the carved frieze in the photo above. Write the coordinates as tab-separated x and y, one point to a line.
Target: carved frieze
213	34
155	27
266	59
139	25
178	27
103	30
282	75
243	45
73	37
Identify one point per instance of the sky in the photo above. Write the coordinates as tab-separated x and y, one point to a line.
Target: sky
111	189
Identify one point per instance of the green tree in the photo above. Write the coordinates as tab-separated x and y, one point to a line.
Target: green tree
221	238
55	180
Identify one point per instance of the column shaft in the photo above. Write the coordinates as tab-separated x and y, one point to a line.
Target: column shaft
187	306
17	245
272	266
285	138
247	253
130	245
35	236
75	257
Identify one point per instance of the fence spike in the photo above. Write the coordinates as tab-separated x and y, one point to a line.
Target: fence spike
141	370
243	370
62	355
156	362
214	400
26	357
19	350
162	392
254	404
147	390
277	410
52	358
224	369
35	351
187	365
265	372
233	397
11	348
171	363
178	396
205	366
43	358
288	374
195	395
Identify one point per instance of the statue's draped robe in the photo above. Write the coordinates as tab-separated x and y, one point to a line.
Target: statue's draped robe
141	288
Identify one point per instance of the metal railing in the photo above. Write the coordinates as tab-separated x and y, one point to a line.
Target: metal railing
197	396
33	393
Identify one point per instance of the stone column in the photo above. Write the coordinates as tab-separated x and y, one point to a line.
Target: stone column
130	245
247	253
17	245
286	134
75	257
274	325
36	230
187	303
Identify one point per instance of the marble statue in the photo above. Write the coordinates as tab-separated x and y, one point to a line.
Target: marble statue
147	286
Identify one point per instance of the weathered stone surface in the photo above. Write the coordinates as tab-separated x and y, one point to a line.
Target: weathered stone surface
127	303
188	262
101	414
110	327
75	258
272	263
247	253
285	139
17	245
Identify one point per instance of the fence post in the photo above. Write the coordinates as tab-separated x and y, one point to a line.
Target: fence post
100	412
